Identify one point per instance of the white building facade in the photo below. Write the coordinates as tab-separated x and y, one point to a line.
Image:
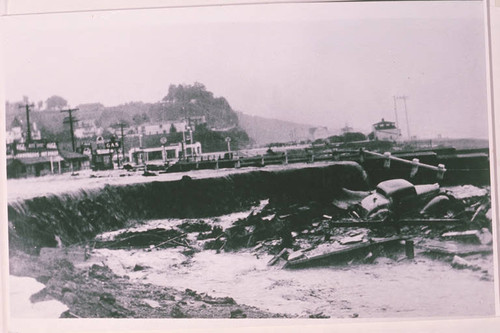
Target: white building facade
386	131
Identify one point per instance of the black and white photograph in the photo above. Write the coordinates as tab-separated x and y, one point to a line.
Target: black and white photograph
310	160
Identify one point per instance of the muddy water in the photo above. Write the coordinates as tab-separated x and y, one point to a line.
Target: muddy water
387	288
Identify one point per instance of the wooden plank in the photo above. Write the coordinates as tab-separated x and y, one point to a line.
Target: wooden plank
337	255
452	248
399	223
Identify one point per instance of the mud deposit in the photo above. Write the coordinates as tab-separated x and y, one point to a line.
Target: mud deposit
167	250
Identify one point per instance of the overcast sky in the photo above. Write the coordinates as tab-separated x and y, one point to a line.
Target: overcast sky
320	64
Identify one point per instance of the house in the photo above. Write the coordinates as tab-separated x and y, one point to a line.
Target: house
39	158
196	120
33	166
75	161
17	132
86	129
386	131
161	128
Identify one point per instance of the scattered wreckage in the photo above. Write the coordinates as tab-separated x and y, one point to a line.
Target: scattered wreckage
392	220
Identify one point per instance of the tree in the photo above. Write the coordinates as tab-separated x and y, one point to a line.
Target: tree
354	136
184	101
172	128
56	103
140	118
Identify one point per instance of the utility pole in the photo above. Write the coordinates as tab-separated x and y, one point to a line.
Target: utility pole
184	134
404	98
406	112
28	131
70	120
121	125
396	110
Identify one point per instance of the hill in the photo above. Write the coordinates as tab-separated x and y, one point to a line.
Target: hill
264	131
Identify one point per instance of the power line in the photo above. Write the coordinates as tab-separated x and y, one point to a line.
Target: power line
71	120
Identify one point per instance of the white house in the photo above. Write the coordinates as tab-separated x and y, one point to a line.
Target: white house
161	128
386	131
17	133
86	129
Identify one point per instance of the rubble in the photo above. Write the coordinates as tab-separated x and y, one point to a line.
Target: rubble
345	253
297	232
352	239
469	236
482	236
451	248
461	263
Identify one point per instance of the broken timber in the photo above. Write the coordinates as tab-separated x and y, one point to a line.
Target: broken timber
343	254
452	248
383	223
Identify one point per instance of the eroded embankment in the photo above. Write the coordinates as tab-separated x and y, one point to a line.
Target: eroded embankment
78	217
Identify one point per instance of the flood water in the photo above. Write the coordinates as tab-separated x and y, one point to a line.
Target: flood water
386	288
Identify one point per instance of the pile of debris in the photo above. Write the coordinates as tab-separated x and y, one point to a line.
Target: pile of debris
395	220
389	221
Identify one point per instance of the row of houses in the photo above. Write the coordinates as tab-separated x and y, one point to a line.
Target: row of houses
38	158
88	128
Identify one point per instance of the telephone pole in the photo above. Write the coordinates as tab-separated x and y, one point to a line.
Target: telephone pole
121	125
406	112
396	111
70	120
28	131
404	98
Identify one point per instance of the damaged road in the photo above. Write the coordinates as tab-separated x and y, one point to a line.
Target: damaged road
390	220
143	271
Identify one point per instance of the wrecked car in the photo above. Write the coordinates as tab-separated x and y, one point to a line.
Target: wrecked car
398	197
